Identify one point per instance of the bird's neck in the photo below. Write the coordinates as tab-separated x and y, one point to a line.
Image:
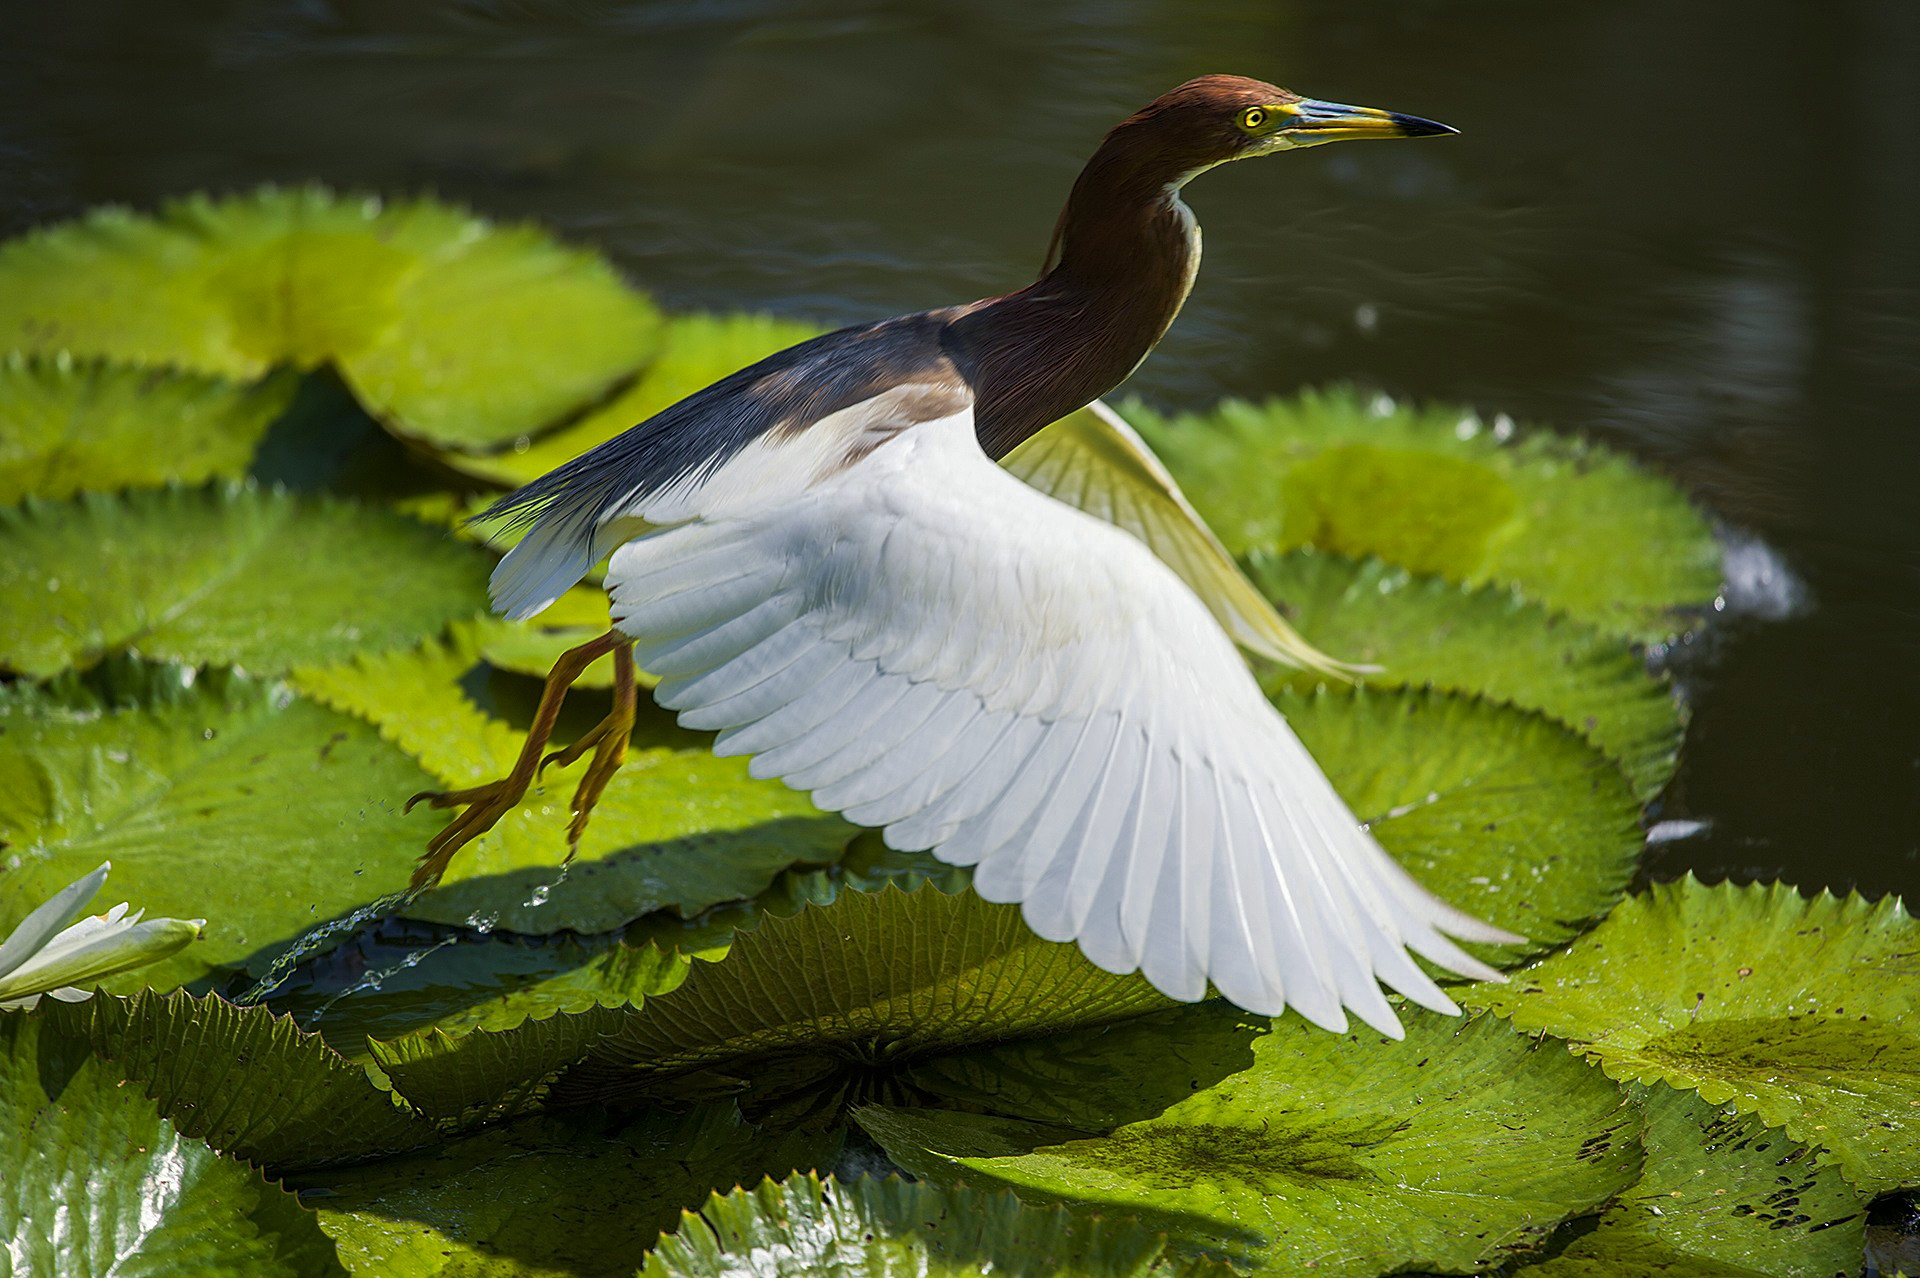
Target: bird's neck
1122	261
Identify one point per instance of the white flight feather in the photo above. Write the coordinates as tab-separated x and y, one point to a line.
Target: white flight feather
926	643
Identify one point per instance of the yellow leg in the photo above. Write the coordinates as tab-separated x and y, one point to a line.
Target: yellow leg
608	740
486	804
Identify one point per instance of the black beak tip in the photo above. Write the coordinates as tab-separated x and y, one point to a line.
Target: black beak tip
1414	127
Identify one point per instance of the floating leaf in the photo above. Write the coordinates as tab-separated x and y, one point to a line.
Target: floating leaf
1505	814
872	1228
1576	527
874	976
694	352
1425	630
97	1182
676	829
1721	1197
247	1082
262	814
1805	1012
1350	1154
461	332
67	427
222	575
583	1196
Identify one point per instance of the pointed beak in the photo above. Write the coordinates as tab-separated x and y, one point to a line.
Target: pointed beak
1315	122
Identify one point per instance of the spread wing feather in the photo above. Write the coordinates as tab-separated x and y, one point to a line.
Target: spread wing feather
934	648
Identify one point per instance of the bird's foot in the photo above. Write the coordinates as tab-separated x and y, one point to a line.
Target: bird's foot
486	804
608	740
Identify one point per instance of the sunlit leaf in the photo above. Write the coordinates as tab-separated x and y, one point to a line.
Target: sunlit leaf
1506	814
882	1228
97	1182
582	1195
223	575
1344	1154
464	333
1804	1012
532	646
1577	528
261	813
1094	461
694	352
874	976
676	829
247	1082
1721	1197
66	427
1425	630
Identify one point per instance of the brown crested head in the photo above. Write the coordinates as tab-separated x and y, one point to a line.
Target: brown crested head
1206	121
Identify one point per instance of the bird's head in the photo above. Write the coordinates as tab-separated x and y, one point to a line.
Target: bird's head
1218	118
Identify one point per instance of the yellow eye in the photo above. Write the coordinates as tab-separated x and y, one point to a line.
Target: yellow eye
1252	118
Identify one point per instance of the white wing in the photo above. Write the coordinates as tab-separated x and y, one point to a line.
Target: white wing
886	619
1094	461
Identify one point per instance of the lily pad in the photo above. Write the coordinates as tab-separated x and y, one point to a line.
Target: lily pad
1722	1196
247	1082
1454	1149
694	351
875	976
98	1182
232	801
1504	813
466	334
1574	526
584	1196
805	1227
227	575
531	647
66	427
1804	1012
676	829
1426	630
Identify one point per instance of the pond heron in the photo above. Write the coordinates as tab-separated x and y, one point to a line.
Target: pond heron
821	561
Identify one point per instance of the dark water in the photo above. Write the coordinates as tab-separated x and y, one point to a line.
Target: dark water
1693	230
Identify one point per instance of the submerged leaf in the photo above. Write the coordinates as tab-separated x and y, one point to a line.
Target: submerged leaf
247	1082
1505	814
97	1182
1353	1154
262	814
676	829
1721	1197
872	1228
67	427
583	1196
449	328
1425	630
221	575
1575	526
1805	1012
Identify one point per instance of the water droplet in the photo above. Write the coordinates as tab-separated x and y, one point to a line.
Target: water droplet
1503	428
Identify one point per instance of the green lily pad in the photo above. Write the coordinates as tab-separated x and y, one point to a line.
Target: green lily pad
1504	813
805	1227
1426	630
247	1082
466	334
583	1195
1574	526
694	352
875	976
231	801
531	647
97	1182
1722	1196
67	427
1804	1012
676	828
1454	1149
223	575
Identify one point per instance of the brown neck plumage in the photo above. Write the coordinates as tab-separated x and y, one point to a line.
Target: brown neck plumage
1123	256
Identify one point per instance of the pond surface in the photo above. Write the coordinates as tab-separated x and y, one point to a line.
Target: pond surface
1693	231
